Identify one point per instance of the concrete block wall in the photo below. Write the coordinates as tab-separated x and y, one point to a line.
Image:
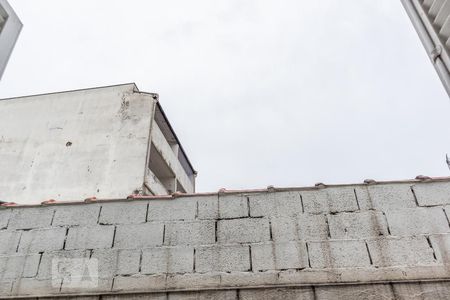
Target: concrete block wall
293	243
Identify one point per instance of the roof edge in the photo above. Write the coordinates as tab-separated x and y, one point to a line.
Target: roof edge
136	89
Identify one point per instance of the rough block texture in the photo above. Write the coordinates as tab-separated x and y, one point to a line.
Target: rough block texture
296	243
139	236
35	217
90	237
9	241
279	256
70	215
243	231
328	200
433	193
280	293
40	240
168	260
367	292
117	262
338	254
401	251
208	207
190	233
177	209
441	246
19	266
275	204
393	196
413	221
124	213
233	206
423	291
357	225
48	258
303	227
222	258
5	214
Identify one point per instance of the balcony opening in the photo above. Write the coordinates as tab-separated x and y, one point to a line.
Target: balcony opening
161	170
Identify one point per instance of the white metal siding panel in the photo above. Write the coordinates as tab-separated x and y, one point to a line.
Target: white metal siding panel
431	19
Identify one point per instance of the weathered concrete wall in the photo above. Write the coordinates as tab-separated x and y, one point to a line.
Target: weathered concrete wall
340	242
82	144
10	27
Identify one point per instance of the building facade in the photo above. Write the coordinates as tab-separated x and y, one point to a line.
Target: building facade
109	142
10	27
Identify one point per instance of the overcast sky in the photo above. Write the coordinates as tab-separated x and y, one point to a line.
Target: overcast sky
284	93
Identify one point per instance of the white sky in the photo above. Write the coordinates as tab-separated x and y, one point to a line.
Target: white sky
284	93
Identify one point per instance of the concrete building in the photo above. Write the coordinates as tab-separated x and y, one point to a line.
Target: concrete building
376	240
10	27
431	19
107	142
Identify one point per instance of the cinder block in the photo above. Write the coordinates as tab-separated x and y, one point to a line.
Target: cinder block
435	290
279	256
139	283
233	206
363	197
97	285
357	225
71	298
303	227
408	291
432	193
40	240
338	254
208	207
413	221
90	237
81	215
190	233
31	217
152	296
52	259
284	293
401	251
421	291
204	295
385	197
117	262
326	200
441	246
222	259
5	214
194	280
275	204
9	241
364	291
184	208
139	236
247	230
312	227
5	287
132	212
167	260
19	266
29	286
